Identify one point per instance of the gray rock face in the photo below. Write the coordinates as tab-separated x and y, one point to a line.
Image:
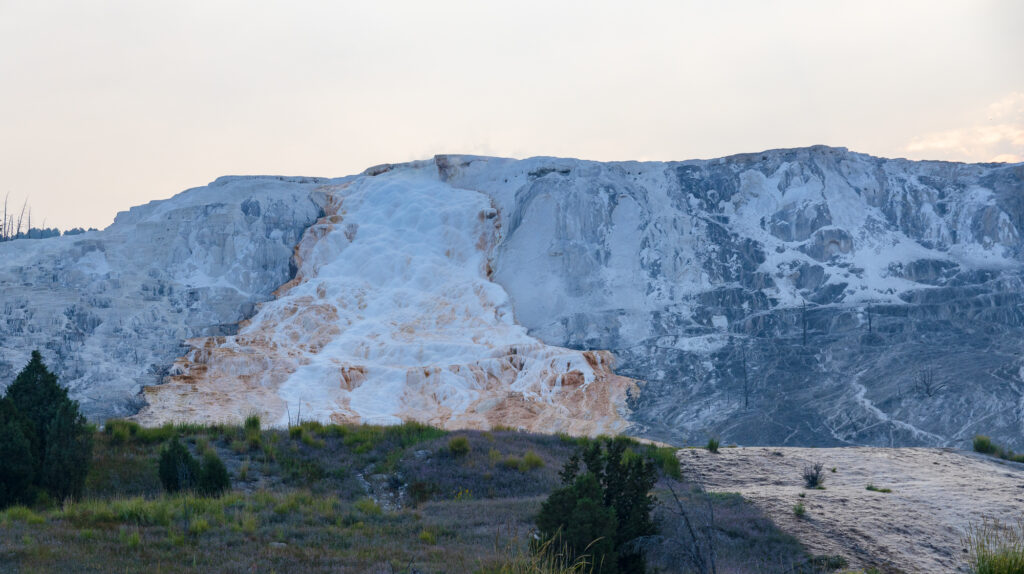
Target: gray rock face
805	297
110	309
792	297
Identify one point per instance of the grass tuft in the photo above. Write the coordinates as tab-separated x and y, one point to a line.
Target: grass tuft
458	446
368	507
712	445
995	547
799	510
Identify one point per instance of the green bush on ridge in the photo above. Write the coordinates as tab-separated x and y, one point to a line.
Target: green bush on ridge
984	445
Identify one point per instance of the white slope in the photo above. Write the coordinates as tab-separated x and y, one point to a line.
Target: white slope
392	316
109	309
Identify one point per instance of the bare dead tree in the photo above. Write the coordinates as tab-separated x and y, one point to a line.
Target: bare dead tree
925	383
687	531
21	218
803	319
746	379
3	227
698	523
11	225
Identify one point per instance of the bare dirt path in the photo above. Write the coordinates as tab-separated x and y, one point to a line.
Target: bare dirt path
917	527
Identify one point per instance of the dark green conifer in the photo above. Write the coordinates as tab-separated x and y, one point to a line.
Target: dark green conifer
616	484
177	468
68	453
16	465
57	438
213	476
37	396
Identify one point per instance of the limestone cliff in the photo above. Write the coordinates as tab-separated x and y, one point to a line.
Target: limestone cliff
810	296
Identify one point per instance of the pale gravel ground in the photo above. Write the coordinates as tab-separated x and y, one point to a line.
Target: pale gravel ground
916	528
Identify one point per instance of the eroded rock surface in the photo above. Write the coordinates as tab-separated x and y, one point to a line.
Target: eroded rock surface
809	296
110	309
392	316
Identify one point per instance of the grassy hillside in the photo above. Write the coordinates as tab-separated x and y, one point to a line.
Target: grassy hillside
409	498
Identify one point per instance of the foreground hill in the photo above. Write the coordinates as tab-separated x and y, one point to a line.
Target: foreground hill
313	498
410	498
792	297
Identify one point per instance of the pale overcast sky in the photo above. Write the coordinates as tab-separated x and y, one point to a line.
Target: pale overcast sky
109	104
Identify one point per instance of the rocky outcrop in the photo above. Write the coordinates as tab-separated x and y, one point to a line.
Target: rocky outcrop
810	297
392	316
788	297
111	309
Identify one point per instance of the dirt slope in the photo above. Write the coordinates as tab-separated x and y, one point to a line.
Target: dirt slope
917	527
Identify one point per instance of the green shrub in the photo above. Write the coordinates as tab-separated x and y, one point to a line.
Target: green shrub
421	491
799	510
813	475
513	463
309	439
665	456
493	456
252	431
984	445
363	439
712	445
177	468
458	446
120	431
368	507
532	460
874	488
213	476
198	526
21	514
252	424
428	536
129	537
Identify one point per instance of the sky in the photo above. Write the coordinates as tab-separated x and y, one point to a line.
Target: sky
107	104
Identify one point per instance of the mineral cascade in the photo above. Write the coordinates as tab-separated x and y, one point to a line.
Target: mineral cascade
810	297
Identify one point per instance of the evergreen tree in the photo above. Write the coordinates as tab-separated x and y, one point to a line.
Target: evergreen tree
177	468
619	482
213	477
37	396
16	465
39	418
68	453
576	517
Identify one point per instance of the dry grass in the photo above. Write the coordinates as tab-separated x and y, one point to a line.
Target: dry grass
315	498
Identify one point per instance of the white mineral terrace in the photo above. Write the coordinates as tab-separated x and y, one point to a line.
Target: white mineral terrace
392	316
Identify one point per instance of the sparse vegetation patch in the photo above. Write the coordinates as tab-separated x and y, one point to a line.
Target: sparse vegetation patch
813	476
984	445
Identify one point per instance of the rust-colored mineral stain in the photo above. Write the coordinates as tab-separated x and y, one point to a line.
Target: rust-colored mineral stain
530	386
573	379
352	377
